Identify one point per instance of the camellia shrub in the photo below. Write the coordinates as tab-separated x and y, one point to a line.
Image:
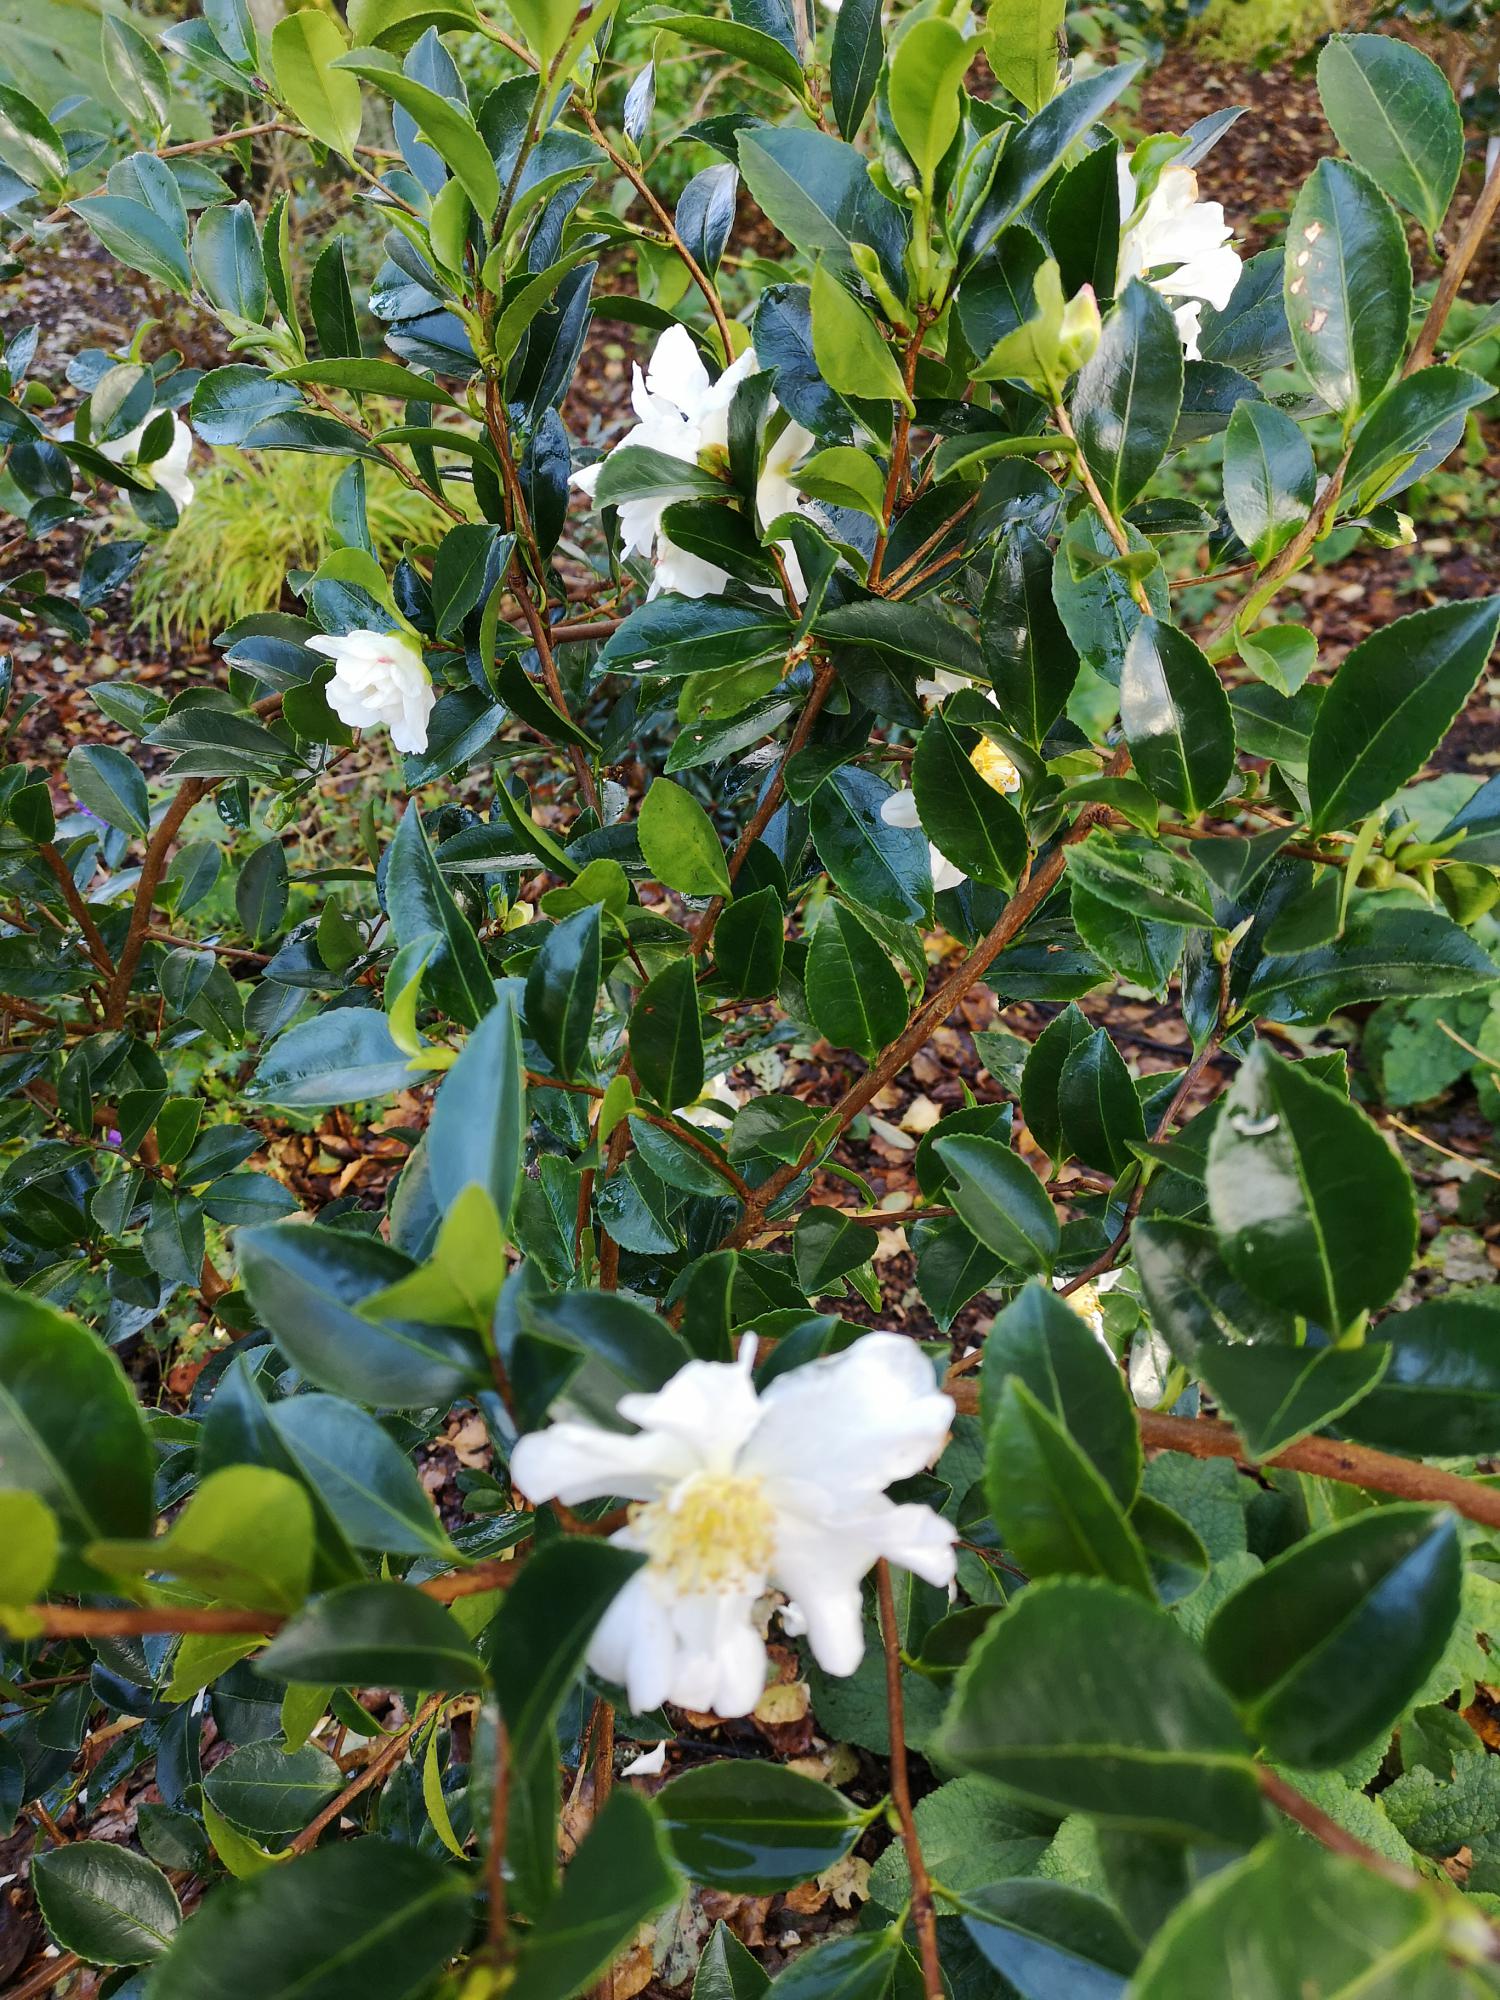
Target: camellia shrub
1137	1633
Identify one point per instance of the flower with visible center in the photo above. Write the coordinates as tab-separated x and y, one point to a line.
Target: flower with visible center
684	415
994	766
170	471
1179	245
379	677
738	1492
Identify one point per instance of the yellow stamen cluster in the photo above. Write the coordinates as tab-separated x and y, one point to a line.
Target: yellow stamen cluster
1085	1302
715	1533
996	769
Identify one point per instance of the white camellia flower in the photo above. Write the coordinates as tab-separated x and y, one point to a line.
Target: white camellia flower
170	471
739	1492
1178	244
379	677
683	414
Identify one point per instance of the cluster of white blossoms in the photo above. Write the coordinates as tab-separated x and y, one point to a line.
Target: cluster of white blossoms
739	1492
685	415
379	677
1179	245
170	471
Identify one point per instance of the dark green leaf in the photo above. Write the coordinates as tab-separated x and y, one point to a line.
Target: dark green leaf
749	943
854	993
1027	652
1043	1074
1384	954
1002	1201
1148	882
1035	152
1051	1941
827	1246
819	194
756	1828
1098	1105
105	1903
364	1479
1083	1697
71	1430
269	1792
1416	423
968	820
618	1878
1440	1393
1176	719
1392	703
1393	113
1269	478
307	1285
1052	1508
1348	286
358	1916
108	783
879	867
1313	1209
373	1635
561	989
666	1035
854	63
1329	1643
685	635
1126	398
727	1971
341	1057
1275	1395
227	259
421	907
478	1129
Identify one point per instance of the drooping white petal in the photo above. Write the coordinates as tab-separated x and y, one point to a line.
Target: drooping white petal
574	1461
945	873
685	574
900	809
633	1645
822	1559
852	1422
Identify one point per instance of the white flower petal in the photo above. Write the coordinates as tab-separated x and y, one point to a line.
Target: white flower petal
900	809
851	1422
708	1407
649	1764
575	1461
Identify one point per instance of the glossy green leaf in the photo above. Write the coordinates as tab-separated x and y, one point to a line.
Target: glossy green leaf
1348	286
374	1635
879	867
362	1476
1002	1201
446	126
1176	718
105	1903
727	1971
679	843
1291	1919
308	1286
1053	1510
108	783
666	1036
271	1793
342	1057
1326	1646
71	1430
847	1968
1027	652
827	1245
854	993
1384	954
1440	1393
228	261
1043	1074
684	636
30	144
1098	1105
1269	478
1275	1395
1085	1698
755	1828
1393	113
751	45
967	819
245	1538
421	908
1390	706
819	194
854	63
477	1133
1035	152
304	50
749	943
1126	398
1415	425
1313	1209
1051	1941
363	1916
1147	882
618	1878
562	987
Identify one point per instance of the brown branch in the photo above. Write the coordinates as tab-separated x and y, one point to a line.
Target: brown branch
900	450
1324	1458
117	999
1455	270
49	1973
923	1915
380	1765
87	1621
642	187
688	1137
823	680
83	916
1031	893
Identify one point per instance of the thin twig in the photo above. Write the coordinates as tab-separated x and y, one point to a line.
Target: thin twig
117	1000
923	1915
380	1765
